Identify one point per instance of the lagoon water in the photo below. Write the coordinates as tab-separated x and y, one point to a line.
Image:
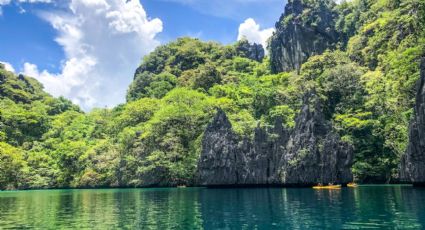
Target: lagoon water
374	207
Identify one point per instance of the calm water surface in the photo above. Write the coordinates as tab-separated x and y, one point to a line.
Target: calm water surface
374	207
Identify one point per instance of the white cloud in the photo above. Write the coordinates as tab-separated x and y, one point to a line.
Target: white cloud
4	2
103	41
8	66
35	1
250	30
7	2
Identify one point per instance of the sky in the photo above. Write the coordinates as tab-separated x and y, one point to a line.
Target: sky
88	50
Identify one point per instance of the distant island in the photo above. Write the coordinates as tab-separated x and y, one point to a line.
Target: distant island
338	97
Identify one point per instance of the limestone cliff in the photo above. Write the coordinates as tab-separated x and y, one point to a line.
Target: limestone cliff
413	162
306	28
227	159
309	154
314	153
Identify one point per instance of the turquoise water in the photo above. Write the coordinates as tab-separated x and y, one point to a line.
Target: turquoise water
374	207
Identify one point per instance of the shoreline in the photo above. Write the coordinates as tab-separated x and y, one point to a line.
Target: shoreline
218	187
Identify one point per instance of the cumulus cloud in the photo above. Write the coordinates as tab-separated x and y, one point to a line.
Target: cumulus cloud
8	66
103	41
2	3
7	2
250	30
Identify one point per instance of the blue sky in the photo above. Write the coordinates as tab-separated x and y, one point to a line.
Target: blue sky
71	47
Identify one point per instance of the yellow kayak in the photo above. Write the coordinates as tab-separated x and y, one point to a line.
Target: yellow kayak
352	185
327	187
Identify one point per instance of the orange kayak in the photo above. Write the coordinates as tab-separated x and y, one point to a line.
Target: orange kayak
327	187
352	185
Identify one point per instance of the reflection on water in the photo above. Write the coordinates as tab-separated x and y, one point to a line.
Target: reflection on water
199	208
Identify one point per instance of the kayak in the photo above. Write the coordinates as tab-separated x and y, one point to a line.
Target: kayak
352	185
327	187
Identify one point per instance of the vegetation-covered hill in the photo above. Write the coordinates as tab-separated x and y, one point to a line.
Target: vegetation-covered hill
365	78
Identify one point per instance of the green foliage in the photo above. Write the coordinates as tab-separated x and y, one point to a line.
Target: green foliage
102	163
13	168
389	41
22	123
203	77
167	146
195	61
20	89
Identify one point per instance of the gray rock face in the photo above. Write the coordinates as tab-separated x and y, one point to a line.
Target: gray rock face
314	154
413	162
309	154
229	160
252	51
266	154
220	162
305	29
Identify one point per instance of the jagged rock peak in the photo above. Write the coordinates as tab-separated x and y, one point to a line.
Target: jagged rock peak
252	51
306	28
413	162
314	153
311	118
218	162
229	160
220	121
311	153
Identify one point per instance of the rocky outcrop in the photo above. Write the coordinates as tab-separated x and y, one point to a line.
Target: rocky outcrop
314	154
220	160
413	162
227	160
305	29
252	51
309	154
266	154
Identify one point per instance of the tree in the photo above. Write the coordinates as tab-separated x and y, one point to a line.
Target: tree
13	168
